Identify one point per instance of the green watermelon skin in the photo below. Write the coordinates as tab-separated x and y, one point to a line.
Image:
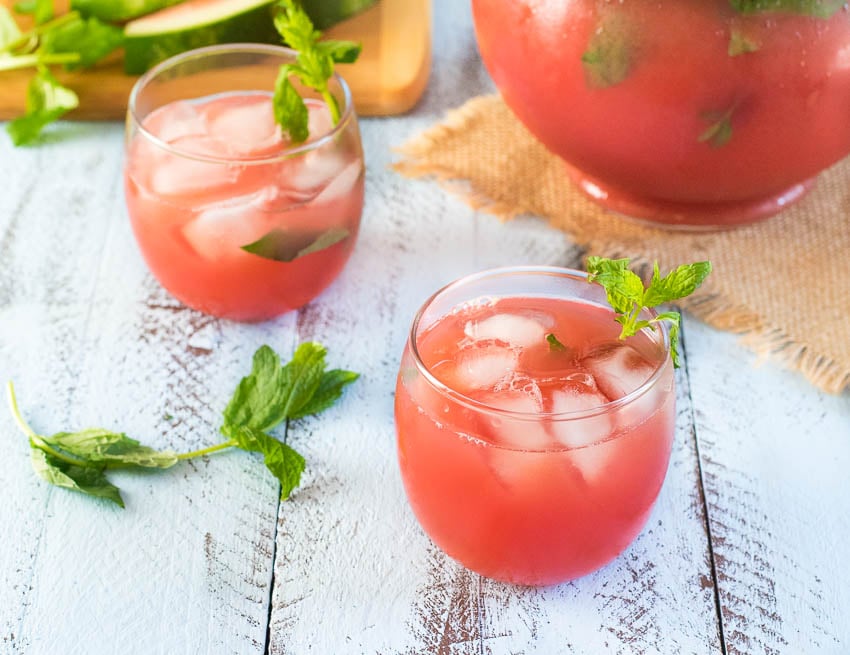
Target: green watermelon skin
120	11
325	13
255	25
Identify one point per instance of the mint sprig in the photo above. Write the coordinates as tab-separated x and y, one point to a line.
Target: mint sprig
268	396
68	40
313	67
628	297
47	101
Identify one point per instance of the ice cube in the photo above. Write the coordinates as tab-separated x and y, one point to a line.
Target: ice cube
221	230
309	174
246	124
342	184
579	432
177	175
319	121
483	367
514	329
586	435
618	369
518	432
174	121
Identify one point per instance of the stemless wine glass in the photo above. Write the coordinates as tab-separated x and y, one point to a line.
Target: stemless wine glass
231	217
532	441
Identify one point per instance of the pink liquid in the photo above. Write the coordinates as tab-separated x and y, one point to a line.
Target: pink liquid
642	139
192	217
532	497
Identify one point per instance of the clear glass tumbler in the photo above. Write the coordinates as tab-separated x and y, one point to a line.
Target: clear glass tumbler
532	441
231	217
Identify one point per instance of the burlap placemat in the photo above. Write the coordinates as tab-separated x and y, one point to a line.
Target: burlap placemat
783	284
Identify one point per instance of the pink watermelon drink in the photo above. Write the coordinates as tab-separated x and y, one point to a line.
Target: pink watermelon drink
704	112
532	441
232	218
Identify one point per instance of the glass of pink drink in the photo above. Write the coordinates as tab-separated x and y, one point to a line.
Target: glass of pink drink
231	217
530	458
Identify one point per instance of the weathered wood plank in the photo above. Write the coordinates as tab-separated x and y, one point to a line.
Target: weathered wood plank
91	338
775	455
48	271
354	573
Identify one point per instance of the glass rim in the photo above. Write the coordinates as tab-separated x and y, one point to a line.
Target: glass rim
235	48
662	336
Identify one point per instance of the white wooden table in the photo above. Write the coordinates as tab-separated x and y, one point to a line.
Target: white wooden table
746	551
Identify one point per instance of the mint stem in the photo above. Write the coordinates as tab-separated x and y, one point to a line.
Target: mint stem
27	36
16	413
330	101
206	451
25	61
37	441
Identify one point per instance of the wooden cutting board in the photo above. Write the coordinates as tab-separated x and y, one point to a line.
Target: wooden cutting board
389	77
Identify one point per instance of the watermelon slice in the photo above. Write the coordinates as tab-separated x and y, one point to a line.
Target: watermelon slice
193	24
196	23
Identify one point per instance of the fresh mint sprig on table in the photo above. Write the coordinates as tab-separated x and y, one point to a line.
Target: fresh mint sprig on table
268	396
313	67
628	296
68	40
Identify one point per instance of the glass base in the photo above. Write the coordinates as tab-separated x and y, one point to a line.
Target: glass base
687	216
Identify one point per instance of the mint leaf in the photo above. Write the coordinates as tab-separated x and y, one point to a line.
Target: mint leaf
88	480
623	287
10	33
90	38
41	10
302	377
555	345
285	463
815	8
674	320
340	52
295	26
290	112
609	55
719	132
327	393
113	448
314	65
47	100
677	284
258	397
285	246
741	44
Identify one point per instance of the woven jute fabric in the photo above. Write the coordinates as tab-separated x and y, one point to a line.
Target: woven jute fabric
783	284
